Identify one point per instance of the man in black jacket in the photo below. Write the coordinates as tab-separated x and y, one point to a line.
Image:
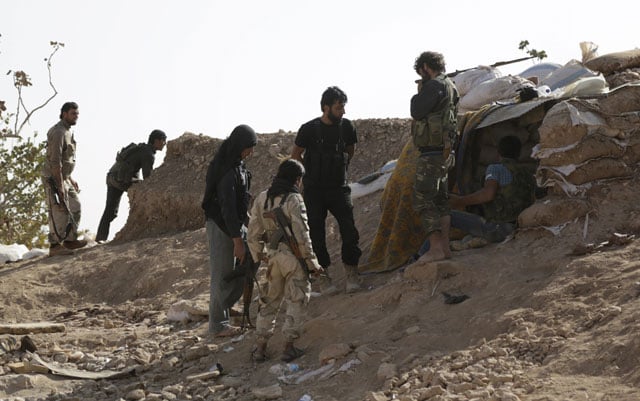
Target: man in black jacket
328	144
226	206
129	161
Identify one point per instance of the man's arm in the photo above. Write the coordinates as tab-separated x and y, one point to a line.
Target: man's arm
423	103
483	195
296	153
351	150
55	144
147	166
227	197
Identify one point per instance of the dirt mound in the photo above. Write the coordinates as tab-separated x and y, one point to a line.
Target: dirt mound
551	314
169	201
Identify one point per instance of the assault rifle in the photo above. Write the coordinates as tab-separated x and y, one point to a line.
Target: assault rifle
58	201
277	215
247	269
498	64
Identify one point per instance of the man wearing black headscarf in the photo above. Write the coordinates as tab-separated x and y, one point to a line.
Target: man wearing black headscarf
225	204
288	282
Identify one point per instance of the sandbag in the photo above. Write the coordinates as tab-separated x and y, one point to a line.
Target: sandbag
592	170
540	70
552	212
501	88
591	147
568	122
612	62
566	75
465	81
625	99
586	86
624	77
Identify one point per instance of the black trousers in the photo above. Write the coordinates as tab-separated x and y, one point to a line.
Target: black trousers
337	201
110	212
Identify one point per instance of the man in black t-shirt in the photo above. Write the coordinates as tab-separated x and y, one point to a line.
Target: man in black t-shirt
326	145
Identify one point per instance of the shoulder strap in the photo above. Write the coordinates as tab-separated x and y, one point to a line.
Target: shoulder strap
320	139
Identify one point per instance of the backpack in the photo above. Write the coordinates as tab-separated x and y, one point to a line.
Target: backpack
122	171
124	153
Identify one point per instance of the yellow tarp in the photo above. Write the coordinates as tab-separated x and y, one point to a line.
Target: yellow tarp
400	233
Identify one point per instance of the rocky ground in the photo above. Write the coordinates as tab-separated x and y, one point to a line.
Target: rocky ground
548	317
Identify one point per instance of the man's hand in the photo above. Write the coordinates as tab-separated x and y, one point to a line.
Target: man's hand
455	202
238	249
74	184
315	269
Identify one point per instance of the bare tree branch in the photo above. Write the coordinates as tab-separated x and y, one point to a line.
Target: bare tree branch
56	47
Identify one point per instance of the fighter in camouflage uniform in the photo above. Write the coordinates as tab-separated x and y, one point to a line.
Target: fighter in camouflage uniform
286	278
434	110
62	190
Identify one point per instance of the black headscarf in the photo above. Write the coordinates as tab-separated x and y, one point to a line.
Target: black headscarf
279	186
227	157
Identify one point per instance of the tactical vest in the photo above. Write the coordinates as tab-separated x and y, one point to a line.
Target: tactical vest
512	199
439	128
326	168
123	171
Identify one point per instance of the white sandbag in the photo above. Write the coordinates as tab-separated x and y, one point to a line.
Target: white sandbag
487	92
540	70
359	190
566	75
12	253
613	62
586	86
465	81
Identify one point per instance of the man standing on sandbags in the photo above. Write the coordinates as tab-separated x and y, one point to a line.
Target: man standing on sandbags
434	130
328	143
129	161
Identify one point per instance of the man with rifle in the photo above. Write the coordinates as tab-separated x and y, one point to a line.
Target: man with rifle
63	202
279	216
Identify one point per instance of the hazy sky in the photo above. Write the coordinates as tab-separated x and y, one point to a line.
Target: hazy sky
207	66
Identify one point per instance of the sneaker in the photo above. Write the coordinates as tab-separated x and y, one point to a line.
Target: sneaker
57	250
75	244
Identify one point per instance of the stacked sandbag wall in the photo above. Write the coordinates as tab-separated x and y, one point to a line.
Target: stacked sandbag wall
584	141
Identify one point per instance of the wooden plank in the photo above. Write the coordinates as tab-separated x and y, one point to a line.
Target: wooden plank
36	327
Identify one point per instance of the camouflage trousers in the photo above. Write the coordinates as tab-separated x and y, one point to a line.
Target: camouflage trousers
431	193
286	282
58	216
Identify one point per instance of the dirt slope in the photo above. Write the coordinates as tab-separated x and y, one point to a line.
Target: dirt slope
547	318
